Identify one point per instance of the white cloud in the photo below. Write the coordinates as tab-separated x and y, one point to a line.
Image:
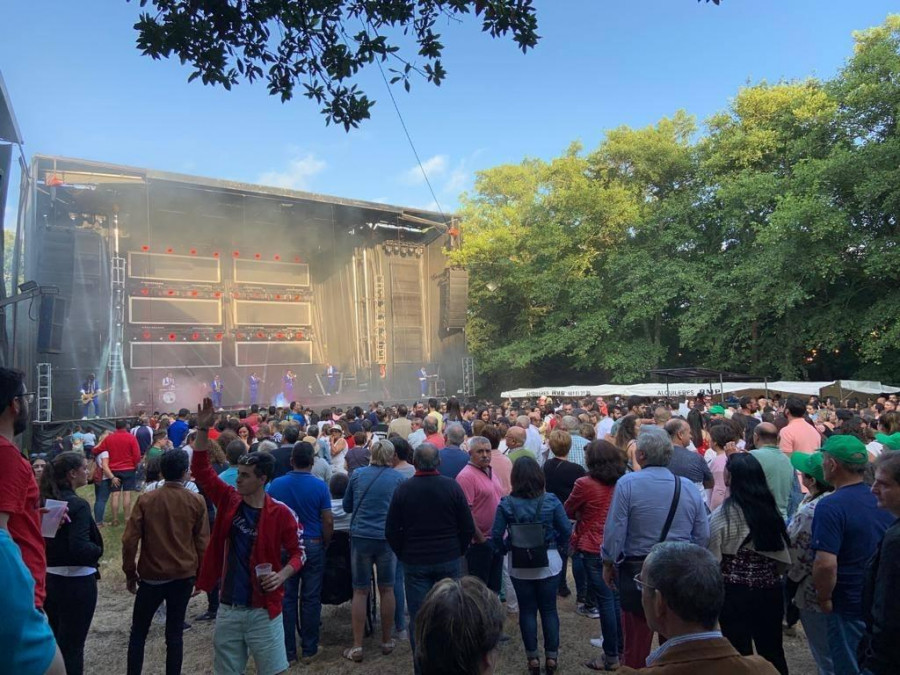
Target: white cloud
297	175
457	181
434	167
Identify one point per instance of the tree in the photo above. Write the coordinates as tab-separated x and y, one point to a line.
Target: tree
319	46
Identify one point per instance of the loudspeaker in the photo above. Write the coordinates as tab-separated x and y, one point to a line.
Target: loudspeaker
456	296
51	323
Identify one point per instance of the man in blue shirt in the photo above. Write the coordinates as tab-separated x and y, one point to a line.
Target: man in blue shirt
453	457
26	640
253	383
846	529
310	499
179	428
636	520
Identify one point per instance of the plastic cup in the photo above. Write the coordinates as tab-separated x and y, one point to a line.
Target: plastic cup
264	569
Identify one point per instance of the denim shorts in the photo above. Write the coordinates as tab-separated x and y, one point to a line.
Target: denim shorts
367	552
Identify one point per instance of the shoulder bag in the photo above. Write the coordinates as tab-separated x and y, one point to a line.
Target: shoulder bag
527	541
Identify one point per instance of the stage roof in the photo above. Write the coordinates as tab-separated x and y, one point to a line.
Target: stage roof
74	170
9	128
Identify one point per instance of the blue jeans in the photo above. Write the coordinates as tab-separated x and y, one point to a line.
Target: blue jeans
87	407
101	496
844	634
418	580
815	625
309	583
538	595
583	592
607	603
400	598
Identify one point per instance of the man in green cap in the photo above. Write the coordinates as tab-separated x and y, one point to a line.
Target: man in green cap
847	527
889	441
717	411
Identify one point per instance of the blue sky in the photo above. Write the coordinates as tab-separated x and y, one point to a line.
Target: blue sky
81	89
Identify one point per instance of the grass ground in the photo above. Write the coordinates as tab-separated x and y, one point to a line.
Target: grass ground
108	640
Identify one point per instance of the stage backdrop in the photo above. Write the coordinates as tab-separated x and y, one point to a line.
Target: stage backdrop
171	275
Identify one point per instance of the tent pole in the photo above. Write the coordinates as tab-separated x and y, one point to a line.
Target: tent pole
668	396
840	394
767	388
722	390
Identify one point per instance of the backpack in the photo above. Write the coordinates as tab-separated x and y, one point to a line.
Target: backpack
527	541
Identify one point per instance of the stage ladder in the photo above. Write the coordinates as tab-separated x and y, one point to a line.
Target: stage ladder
44	392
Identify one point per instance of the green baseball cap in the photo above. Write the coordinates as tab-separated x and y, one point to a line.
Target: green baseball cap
717	410
891	442
809	463
847	449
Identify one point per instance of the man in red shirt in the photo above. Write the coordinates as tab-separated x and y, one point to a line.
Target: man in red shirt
20	500
124	457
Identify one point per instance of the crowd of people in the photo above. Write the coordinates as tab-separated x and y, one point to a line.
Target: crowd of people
713	528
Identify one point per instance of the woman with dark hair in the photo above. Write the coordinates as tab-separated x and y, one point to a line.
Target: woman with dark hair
458	628
722	438
484	415
626	439
699	435
245	433
748	536
73	556
589	506
535	586
454	411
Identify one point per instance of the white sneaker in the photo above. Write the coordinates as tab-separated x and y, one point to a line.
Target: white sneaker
597	642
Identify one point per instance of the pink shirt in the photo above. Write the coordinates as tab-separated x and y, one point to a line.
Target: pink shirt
483	493
720	490
502	466
799	436
436	440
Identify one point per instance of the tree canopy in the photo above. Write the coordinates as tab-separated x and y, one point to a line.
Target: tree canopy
767	244
319	47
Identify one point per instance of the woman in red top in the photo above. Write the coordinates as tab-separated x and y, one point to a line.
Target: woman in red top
589	505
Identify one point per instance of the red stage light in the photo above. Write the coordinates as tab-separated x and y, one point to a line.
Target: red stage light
170	292
217	294
195	336
170	250
280	336
296	258
193	251
236	254
172	337
240	336
218	336
257	256
260	335
278	296
145	247
277	257
146	335
194	293
298	335
215	254
145	291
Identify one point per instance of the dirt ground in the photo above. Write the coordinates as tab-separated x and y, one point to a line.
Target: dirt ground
107	642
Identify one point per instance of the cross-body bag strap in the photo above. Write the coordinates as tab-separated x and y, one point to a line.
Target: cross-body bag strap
537	513
672	509
357	507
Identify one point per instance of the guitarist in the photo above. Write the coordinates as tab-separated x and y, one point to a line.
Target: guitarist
90	396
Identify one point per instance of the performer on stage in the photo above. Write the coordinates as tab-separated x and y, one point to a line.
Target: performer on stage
216	388
254	381
330	379
168	382
287	389
90	396
423	382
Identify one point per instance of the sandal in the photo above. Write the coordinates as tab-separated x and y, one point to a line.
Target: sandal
388	647
548	668
534	666
354	654
603	664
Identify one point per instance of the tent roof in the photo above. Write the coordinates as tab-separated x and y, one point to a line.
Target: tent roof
702	374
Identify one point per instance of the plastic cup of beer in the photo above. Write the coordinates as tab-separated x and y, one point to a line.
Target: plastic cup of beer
263	570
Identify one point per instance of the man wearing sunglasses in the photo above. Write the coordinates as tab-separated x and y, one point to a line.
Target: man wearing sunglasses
245	558
20	501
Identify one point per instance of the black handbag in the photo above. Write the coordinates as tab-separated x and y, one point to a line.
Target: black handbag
527	541
630	567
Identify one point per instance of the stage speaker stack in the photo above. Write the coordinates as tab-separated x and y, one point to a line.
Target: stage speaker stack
51	322
455	299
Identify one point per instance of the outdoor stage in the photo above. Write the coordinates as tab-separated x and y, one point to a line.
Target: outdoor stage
161	274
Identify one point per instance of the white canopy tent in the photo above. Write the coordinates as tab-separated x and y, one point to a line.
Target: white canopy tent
677	390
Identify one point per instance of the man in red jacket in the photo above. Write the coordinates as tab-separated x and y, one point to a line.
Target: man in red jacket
245	557
124	457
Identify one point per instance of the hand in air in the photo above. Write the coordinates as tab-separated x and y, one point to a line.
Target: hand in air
206	415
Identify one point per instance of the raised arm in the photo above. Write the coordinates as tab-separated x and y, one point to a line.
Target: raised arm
201	468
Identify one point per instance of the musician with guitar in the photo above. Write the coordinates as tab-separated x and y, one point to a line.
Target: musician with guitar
90	396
